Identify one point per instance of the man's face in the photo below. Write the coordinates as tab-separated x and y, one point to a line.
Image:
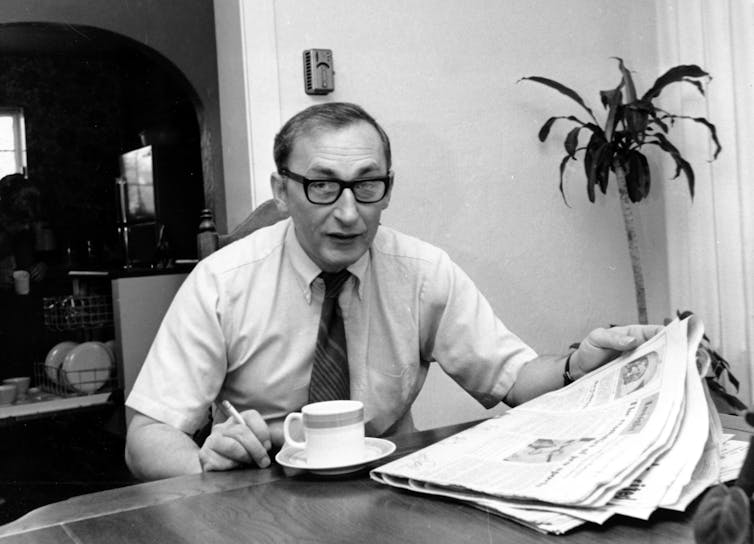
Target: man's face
335	235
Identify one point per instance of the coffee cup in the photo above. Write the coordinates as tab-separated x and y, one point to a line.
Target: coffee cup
21	282
333	431
21	384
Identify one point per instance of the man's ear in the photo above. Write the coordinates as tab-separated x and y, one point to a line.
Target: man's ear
279	192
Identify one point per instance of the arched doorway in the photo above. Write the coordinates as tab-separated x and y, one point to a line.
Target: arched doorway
89	95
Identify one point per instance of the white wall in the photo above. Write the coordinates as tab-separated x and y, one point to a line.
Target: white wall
471	176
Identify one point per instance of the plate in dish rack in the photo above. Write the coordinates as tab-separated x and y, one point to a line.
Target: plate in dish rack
87	367
55	358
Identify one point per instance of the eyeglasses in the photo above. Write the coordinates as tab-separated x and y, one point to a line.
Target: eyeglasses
327	191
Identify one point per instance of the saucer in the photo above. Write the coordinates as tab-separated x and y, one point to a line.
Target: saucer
376	449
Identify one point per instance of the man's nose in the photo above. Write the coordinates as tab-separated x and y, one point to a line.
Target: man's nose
345	207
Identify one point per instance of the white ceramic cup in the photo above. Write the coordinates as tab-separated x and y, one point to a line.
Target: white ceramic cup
21	282
334	432
21	384
7	393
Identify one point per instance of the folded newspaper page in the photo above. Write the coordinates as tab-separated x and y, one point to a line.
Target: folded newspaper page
638	434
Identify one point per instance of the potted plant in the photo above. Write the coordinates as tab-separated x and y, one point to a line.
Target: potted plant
633	124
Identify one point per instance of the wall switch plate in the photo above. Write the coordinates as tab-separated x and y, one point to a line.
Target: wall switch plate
319	76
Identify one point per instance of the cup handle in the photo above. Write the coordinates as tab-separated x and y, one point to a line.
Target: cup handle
289	440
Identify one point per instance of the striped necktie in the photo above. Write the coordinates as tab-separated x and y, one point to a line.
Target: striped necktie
330	379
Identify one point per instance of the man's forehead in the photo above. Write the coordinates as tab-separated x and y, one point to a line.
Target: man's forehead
349	142
316	130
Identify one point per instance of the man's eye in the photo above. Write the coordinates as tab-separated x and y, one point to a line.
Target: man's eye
323	186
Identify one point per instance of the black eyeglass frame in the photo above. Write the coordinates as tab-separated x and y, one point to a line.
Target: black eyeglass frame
386	179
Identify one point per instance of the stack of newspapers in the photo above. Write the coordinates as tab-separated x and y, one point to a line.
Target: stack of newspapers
640	433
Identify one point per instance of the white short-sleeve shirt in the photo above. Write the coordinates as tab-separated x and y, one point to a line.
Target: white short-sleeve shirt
243	327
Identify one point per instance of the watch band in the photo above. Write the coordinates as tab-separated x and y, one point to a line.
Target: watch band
567	378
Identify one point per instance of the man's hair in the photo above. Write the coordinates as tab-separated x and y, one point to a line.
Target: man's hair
330	115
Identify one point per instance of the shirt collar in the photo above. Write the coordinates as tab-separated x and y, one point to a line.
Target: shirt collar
306	271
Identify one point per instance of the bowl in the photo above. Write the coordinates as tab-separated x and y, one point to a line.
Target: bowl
7	394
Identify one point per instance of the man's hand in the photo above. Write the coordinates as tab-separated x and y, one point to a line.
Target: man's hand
604	345
231	444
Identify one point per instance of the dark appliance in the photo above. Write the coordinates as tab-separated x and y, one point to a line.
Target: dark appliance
158	193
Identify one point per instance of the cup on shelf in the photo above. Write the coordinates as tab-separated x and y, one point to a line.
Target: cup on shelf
34	394
334	432
21	384
7	394
21	279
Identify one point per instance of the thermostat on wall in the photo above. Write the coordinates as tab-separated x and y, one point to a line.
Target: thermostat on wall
318	71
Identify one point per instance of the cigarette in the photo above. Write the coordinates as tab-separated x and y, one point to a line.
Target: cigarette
228	407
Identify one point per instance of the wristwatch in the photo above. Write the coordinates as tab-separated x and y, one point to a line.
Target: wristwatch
567	378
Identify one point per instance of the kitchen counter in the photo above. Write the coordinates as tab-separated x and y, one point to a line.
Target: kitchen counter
183	267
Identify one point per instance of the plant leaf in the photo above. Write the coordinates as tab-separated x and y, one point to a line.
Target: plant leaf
562	170
628	80
637	117
658	120
612	96
681	164
572	141
718	390
600	160
589	158
544	132
637	176
723	516
675	74
713	133
702	120
695	83
612	100
573	95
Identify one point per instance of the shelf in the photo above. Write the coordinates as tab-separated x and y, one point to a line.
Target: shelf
58	404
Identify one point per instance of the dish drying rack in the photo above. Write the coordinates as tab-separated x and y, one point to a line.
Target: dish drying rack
65	313
78	314
74	383
79	317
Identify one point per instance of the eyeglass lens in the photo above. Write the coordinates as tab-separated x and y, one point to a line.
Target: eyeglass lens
327	192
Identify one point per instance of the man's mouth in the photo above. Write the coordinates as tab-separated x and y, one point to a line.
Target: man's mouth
345	237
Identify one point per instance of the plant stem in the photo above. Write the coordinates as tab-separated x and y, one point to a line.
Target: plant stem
633	246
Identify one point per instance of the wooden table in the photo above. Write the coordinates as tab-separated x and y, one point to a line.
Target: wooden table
269	506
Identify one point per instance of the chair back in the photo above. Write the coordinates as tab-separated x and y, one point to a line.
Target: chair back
264	215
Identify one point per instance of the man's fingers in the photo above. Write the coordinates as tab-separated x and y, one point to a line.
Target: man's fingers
276	434
602	345
622	338
611	339
253	436
211	460
258	426
238	443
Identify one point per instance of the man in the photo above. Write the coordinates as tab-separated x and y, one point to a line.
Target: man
19	209
244	325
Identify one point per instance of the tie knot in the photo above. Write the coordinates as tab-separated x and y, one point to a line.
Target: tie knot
334	282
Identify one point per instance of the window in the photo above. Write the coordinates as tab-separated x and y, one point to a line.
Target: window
12	141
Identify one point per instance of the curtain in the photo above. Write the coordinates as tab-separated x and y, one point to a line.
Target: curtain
711	239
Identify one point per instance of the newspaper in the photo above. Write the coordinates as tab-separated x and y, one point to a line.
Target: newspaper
638	434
